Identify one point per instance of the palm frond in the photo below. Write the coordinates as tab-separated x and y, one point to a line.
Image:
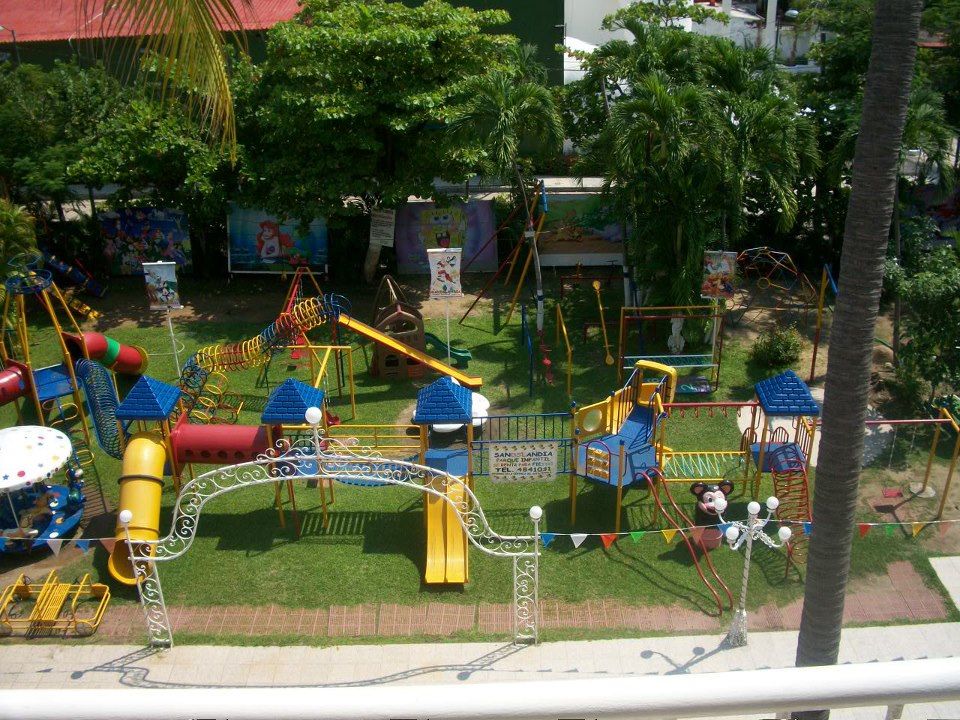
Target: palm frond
184	39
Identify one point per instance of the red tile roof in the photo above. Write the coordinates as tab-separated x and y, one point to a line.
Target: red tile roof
49	20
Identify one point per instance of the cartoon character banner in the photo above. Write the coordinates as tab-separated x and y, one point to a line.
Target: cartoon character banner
133	236
422	226
719	275
444	273
580	219
161	284
260	243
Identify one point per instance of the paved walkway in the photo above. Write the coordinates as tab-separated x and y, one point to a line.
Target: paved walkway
114	666
900	595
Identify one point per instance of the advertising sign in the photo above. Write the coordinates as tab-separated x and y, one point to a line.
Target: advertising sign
445	273
161	284
534	461
382	224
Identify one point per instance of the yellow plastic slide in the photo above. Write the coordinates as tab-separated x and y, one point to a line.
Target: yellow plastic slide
141	483
447	559
396	346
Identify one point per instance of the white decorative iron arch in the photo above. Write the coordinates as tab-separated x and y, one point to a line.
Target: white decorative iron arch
338	460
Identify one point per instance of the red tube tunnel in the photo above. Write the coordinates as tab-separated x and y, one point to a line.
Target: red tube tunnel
218	444
14	382
125	359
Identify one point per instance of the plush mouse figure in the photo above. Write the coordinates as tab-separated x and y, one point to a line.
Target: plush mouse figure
706	514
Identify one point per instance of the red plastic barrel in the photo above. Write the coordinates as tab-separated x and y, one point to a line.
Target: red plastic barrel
12	385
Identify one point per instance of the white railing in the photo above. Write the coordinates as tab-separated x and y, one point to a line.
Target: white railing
883	684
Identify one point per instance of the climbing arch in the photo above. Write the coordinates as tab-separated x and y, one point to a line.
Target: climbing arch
339	460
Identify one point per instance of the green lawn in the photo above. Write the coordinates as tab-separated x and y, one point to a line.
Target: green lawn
373	550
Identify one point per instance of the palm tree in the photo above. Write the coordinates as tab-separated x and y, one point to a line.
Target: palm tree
16	233
661	169
926	130
895	28
503	114
184	41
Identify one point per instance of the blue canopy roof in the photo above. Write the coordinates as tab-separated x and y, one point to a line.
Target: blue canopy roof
149	399
289	401
443	401
786	395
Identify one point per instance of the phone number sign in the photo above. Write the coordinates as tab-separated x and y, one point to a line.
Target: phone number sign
524	461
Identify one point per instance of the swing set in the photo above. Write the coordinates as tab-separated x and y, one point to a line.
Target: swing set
669	351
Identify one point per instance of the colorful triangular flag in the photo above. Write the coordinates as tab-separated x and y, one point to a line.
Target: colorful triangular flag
723	528
888	530
863	528
108	544
916	528
82	545
577	539
637	535
944	526
547	538
668	535
54	545
696	533
608	539
807	528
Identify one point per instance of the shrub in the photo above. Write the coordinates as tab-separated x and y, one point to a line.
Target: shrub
777	348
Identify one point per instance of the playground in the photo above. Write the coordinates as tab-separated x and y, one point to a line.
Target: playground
622	519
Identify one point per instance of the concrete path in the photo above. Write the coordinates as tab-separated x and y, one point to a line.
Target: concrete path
114	666
948	572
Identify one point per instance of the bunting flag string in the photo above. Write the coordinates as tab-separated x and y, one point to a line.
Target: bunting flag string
696	531
548	539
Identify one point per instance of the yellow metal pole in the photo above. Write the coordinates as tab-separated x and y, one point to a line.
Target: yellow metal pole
516	293
760	457
816	334
953	467
470	453
575	451
932	454
620	345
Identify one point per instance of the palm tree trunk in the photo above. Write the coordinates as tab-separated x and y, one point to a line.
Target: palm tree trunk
895	27
898	246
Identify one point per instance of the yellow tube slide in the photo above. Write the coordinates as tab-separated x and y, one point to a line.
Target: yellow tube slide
141	484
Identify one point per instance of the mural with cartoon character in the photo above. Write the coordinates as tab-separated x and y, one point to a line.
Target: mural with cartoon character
422	226
262	243
133	236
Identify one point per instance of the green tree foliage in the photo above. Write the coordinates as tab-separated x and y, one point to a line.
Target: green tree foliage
694	137
156	155
16	233
352	100
46	119
833	98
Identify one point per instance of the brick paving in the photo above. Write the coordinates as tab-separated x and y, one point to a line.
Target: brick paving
900	595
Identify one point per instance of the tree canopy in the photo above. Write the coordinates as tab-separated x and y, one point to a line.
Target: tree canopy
352	100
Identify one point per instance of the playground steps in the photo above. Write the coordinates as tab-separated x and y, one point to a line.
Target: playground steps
599	458
789	473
